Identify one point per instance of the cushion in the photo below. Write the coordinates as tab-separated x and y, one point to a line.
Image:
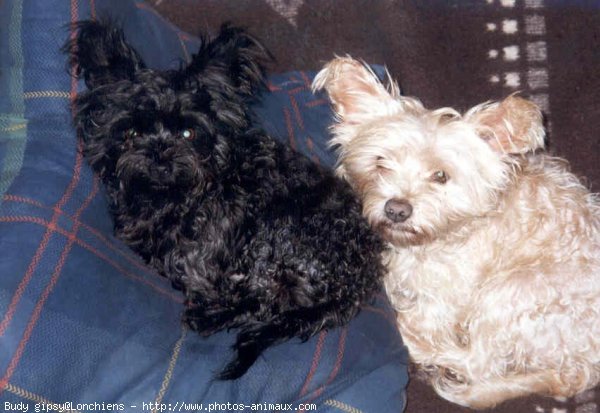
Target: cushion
82	319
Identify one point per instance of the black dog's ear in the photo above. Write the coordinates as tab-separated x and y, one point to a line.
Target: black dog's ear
234	54
100	54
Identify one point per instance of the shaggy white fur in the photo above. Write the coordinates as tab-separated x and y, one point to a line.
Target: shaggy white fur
494	265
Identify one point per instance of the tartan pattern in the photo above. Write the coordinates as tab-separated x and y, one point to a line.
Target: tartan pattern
82	319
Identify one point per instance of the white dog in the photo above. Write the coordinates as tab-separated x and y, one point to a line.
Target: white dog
494	266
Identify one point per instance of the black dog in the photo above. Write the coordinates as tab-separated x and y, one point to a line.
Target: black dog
256	235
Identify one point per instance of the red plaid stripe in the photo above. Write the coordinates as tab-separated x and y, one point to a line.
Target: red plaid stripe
105	241
314	365
42	247
47	291
83	244
336	367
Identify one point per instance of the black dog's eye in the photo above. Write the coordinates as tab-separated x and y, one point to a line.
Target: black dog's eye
131	133
440	177
188	133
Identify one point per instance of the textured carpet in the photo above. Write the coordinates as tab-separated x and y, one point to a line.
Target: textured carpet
448	53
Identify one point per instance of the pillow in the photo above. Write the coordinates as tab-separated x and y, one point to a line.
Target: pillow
82	319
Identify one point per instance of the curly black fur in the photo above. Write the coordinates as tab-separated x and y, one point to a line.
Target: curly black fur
257	236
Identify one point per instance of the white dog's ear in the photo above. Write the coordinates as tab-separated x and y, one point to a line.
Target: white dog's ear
513	126
355	91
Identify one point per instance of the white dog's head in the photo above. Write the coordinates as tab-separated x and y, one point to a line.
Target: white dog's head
422	173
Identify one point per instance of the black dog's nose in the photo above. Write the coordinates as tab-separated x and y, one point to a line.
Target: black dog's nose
163	172
398	210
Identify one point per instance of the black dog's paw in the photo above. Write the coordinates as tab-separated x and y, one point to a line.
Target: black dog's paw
253	340
249	345
207	323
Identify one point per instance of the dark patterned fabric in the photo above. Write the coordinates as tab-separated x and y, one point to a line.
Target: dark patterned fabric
454	53
82	320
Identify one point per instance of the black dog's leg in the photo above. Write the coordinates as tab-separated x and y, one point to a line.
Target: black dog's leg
207	323
252	341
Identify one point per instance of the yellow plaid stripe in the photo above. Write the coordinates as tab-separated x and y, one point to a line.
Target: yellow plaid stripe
46	94
13	128
342	406
17	391
169	373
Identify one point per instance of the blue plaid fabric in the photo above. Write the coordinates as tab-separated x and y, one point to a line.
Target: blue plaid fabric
82	319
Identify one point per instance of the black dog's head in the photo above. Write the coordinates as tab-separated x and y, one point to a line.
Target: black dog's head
148	132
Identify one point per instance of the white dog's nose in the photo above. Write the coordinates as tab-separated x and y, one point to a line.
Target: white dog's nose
398	210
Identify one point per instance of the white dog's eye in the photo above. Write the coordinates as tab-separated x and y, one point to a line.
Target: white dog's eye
380	163
440	177
188	134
